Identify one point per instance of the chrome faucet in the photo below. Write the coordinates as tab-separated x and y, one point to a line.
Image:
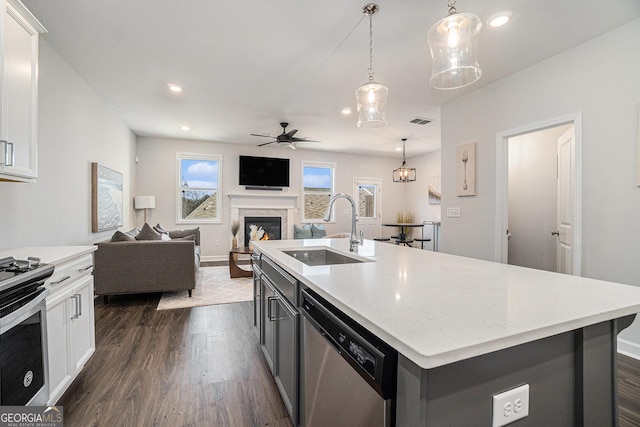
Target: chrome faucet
354	240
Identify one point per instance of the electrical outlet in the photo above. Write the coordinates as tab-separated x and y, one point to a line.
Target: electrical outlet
453	212
217	242
510	405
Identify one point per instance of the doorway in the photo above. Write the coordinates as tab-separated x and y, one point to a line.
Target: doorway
538	196
368	194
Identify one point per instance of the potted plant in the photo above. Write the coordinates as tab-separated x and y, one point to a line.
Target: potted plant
235	227
406	218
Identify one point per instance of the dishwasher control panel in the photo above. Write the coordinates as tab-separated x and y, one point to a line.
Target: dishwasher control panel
371	357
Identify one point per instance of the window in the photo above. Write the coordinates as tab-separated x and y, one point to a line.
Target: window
199	188
317	179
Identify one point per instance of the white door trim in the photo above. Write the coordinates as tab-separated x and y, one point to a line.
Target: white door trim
502	173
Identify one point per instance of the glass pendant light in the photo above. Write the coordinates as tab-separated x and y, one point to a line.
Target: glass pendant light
454	43
372	96
404	173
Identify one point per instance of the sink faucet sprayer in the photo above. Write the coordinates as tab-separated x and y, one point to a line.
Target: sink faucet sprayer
354	240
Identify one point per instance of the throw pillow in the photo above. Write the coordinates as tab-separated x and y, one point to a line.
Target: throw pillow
191	237
318	231
165	237
302	232
120	236
148	233
182	233
159	228
133	232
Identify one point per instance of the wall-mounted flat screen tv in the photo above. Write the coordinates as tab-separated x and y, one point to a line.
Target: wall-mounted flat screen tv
264	171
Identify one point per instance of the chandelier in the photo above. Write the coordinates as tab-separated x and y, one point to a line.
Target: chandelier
404	173
372	96
453	42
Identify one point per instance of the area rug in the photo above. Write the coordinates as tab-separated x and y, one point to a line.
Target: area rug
213	286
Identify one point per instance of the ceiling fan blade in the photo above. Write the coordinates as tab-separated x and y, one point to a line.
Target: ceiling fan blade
266	143
263	135
304	140
291	133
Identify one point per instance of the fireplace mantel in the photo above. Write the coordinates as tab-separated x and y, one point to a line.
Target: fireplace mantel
259	205
254	200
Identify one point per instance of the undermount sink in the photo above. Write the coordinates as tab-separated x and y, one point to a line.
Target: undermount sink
314	257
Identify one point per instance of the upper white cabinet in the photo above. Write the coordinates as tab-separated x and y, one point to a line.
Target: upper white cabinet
19	31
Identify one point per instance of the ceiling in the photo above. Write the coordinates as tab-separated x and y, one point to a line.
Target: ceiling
247	65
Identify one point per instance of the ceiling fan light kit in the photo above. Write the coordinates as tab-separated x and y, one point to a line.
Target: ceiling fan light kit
404	173
372	96
453	42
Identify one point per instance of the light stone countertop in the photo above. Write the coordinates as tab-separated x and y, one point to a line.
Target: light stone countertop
55	255
436	308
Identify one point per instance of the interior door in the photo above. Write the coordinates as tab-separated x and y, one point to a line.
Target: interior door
367	194
566	186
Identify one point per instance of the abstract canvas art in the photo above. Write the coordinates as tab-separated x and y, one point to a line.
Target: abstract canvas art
435	188
106	198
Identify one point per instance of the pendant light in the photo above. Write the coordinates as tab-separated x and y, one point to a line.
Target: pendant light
454	43
404	173
372	96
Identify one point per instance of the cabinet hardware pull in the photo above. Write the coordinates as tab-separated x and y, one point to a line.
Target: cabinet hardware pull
86	268
61	280
77	314
9	153
79	305
269	301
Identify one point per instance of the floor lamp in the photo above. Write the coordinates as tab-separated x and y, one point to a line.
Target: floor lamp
144	202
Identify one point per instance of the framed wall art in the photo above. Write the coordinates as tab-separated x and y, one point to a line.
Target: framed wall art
435	189
106	198
466	169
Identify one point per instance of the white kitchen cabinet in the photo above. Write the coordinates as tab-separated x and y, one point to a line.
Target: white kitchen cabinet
19	31
70	322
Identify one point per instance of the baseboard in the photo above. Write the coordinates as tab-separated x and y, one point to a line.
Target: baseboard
629	348
214	258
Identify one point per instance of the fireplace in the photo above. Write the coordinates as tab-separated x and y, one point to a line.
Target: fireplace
267	228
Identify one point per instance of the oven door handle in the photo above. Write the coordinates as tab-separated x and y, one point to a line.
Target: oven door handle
10	320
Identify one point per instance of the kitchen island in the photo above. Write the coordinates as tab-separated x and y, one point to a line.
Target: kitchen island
466	329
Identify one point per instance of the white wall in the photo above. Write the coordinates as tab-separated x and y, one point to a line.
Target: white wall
416	193
598	79
156	174
75	129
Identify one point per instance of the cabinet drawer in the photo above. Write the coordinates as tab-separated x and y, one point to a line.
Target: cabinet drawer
283	281
68	272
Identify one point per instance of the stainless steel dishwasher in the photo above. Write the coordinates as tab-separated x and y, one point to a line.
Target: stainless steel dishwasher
348	374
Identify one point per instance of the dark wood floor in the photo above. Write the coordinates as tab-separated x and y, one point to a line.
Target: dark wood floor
201	367
190	367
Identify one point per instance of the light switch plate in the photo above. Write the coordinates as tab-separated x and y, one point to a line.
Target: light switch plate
510	405
453	212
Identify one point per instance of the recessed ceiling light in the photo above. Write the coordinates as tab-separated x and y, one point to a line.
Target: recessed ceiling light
500	18
175	88
185	127
346	111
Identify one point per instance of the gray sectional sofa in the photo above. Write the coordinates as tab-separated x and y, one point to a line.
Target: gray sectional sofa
139	262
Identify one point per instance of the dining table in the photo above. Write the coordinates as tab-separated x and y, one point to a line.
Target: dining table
402	237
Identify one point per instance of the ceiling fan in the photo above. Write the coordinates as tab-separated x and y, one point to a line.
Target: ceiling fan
285	138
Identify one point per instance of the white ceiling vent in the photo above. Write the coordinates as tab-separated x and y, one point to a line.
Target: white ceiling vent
420	121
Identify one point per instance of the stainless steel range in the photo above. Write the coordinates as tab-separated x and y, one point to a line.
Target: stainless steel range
23	337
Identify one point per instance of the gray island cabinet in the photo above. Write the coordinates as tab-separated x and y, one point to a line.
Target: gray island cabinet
468	332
